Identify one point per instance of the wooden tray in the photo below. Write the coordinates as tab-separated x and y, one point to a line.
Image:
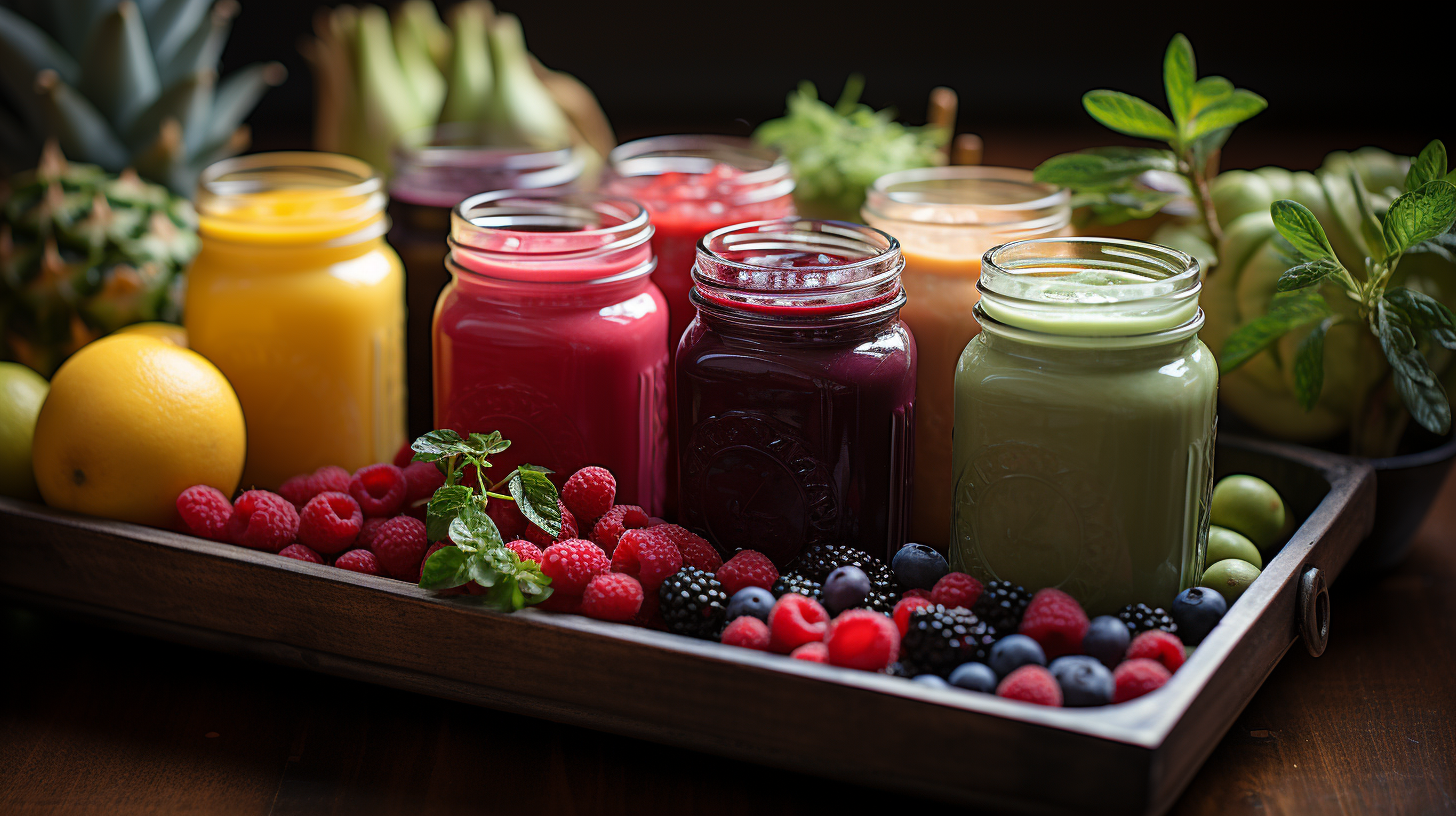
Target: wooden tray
861	727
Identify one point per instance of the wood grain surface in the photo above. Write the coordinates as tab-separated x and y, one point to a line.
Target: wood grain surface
96	721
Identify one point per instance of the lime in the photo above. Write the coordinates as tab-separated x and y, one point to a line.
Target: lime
21	393
1225	543
1248	505
1230	577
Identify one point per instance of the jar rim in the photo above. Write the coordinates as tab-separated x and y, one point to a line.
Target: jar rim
233	205
355	177
424	154
766	174
958	186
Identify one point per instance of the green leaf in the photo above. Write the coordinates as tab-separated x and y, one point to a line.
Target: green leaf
1309	364
1426	401
538	469
1204	146
1237	107
1420	215
1127	114
1443	246
1425	313
444	506
1179	75
536	496
1103	167
488	444
474	529
1288	311
1301	229
1429	166
436	445
482	571
1207	91
445	569
1370	228
1398	341
1306	274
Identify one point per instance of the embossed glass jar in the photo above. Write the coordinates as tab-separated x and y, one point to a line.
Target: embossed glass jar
1084	428
796	390
552	332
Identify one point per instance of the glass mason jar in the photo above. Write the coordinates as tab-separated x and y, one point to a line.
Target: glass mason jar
945	219
433	172
796	384
551	332
298	300
1085	423
690	186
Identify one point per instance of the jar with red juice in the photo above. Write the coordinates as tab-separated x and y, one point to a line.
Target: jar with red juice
692	185
796	390
552	332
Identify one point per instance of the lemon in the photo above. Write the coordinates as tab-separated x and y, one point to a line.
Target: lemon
1225	543
21	393
170	332
1251	506
131	421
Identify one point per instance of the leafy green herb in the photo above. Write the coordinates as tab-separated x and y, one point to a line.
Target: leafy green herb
458	513
1406	323
1204	113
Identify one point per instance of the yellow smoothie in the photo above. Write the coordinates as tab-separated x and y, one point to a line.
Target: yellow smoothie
298	300
946	218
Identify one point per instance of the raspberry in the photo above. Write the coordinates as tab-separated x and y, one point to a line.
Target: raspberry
358	561
747	568
589	493
525	550
262	521
903	609
748	632
331	479
1031	684
650	615
1158	645
696	551
794	621
400	546
571	565
330	523
541	538
862	639
612	596
647	556
301	553
300	489
560	602
368	531
1136	677
379	489
404	456
205	511
508	519
814	652
916	593
614	522
1055	620
956	589
421	480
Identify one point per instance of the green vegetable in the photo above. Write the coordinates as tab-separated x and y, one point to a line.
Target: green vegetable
838	152
458	512
1108	181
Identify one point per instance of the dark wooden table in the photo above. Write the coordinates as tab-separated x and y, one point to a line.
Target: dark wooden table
96	721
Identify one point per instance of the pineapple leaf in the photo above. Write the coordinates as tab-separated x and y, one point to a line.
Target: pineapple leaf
77	125
25	51
237	96
203	48
172	23
118	75
189	102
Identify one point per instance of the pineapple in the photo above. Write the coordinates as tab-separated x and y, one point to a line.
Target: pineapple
84	252
124	83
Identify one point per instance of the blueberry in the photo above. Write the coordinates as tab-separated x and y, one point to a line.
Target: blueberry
752	600
845	588
1084	681
1106	639
975	677
932	680
917	566
1197	611
1014	651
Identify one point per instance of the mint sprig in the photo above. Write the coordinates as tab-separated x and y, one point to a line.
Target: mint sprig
457	512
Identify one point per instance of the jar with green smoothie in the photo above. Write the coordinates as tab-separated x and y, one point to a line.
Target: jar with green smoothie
1084	422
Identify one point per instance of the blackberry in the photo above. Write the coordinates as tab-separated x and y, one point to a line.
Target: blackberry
881	601
1002	604
940	639
693	603
1139	618
818	560
794	582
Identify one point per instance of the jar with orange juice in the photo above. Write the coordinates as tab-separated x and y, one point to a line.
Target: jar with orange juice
946	218
297	298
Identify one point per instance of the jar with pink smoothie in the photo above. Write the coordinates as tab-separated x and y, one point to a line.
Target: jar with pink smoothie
796	390
552	332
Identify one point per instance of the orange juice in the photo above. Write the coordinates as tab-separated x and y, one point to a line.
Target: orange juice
945	219
296	297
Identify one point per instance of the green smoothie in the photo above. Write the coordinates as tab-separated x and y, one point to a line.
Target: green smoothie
1084	423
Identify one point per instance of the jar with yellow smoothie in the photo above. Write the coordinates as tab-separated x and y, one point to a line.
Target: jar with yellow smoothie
945	219
297	298
1084	422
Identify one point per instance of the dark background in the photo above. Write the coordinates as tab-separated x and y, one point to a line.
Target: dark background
1334	80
